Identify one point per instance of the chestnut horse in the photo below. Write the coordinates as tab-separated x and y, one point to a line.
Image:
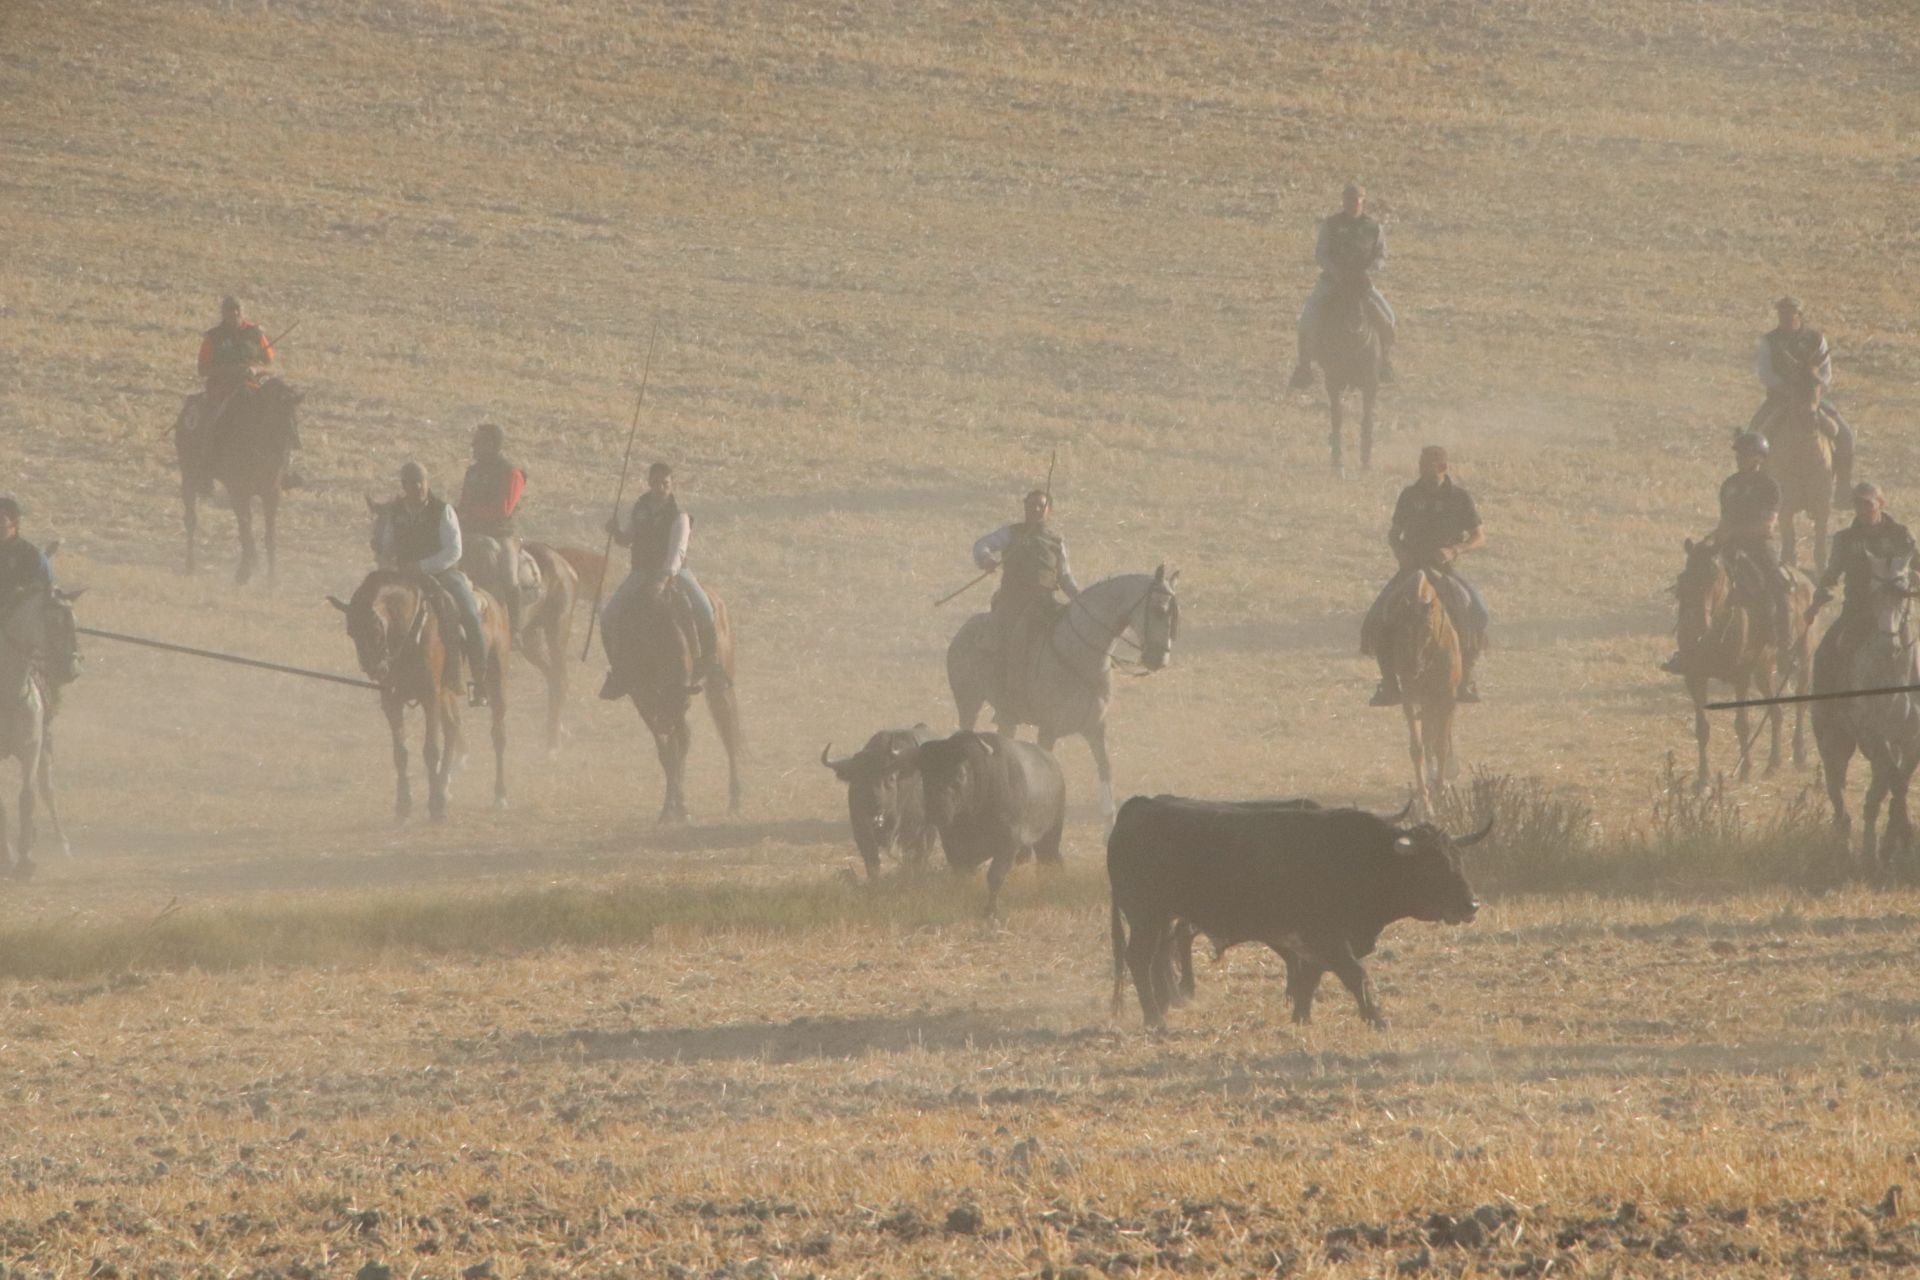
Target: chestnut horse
36	647
397	635
1721	638
1420	646
250	461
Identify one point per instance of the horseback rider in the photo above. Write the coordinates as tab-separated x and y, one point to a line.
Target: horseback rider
422	535
1871	535
1795	365
1749	516
1434	524
489	493
1032	559
658	532
1349	248
22	565
234	355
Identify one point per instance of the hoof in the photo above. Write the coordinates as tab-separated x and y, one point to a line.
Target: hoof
499	803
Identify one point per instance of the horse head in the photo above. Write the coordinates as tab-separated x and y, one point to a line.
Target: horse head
1159	620
1893	590
1701	590
382	514
378	622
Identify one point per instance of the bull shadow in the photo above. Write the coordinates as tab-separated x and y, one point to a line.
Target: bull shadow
803	1039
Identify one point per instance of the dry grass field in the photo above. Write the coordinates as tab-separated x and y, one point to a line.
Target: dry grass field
898	254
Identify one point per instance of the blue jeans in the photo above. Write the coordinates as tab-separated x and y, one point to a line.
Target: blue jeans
632	592
457	586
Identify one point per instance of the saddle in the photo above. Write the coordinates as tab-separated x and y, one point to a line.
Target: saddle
446	615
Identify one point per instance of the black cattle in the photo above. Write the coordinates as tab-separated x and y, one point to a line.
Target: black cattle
993	800
884	798
1317	886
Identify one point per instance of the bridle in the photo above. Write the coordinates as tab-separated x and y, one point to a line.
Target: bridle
1136	667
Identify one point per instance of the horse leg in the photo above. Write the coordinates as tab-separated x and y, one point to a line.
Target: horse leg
1702	729
497	704
434	753
723	703
1447	765
243	515
672	750
1742	733
1819	519
7	866
1417	752
1096	736
46	794
270	518
1369	393
1869	841
29	783
397	725
1789	550
189	514
1336	422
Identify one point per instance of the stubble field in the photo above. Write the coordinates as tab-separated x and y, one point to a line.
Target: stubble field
898	255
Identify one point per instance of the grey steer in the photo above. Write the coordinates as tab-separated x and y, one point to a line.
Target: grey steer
884	797
993	800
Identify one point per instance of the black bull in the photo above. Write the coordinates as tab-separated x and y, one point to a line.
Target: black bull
993	800
884	798
1317	886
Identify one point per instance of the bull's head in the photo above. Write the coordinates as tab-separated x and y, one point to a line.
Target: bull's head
874	776
946	773
1428	872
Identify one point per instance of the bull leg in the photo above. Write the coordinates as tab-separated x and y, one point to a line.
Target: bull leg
243	516
397	724
1181	952
1142	946
996	876
1353	976
46	794
1303	980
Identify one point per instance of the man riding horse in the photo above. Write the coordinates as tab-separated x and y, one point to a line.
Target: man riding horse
422	535
1032	559
1795	365
1871	535
659	533
489	494
1434	523
1749	516
1349	248
234	356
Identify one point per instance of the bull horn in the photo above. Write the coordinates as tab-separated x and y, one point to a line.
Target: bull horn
1461	842
835	765
1401	816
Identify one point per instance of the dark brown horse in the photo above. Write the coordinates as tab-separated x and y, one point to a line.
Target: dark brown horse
1723	638
254	438
1343	343
658	646
401	646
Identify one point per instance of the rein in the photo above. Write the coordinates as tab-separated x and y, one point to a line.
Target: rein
1130	666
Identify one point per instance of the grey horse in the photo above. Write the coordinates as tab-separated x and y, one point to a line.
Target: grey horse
1069	675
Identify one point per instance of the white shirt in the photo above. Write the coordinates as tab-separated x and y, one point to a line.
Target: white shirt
677	539
440	561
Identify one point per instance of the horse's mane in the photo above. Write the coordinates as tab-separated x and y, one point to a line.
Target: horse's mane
376	582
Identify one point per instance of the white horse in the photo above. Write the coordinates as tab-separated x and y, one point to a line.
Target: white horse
1069	681
36	643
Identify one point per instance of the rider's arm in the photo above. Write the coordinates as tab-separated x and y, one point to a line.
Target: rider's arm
1476	538
449	553
264	356
986	551
677	539
1067	583
1379	259
206	356
1821	367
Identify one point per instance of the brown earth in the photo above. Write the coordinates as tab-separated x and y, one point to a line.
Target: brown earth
897	256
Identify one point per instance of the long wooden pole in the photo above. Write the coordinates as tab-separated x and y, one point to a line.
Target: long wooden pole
234	658
1813	697
620	492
